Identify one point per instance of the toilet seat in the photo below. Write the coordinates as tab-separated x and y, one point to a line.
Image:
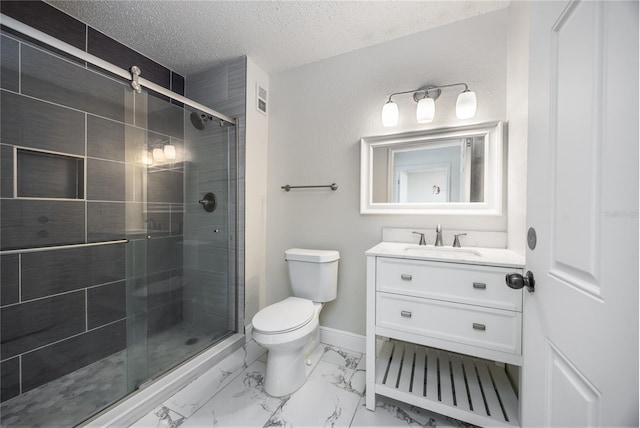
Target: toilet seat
287	315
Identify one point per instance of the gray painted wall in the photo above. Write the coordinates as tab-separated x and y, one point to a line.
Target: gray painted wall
318	114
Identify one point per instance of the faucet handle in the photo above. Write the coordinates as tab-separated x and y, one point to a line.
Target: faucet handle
456	240
422	240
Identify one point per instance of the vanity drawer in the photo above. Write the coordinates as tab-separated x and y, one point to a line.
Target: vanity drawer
472	325
461	283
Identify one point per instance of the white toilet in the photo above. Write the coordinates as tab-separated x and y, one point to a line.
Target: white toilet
289	329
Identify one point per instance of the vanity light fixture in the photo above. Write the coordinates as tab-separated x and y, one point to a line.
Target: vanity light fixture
426	109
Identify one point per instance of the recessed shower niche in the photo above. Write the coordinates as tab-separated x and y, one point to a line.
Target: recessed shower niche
48	175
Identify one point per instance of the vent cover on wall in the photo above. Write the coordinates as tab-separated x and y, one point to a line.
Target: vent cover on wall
261	99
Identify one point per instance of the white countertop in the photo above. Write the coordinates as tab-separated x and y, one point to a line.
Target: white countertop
467	255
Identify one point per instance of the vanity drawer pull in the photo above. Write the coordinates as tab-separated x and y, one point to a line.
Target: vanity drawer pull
406	277
480	285
405	314
480	327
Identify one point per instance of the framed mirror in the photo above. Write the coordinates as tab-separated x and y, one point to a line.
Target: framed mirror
438	171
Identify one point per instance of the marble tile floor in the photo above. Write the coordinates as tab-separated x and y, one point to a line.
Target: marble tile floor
70	399
232	395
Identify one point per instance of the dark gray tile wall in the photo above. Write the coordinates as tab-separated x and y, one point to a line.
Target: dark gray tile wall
62	82
34	324
9	279
26	223
47	19
116	53
28	122
6	171
9	59
106	304
9	378
62	309
53	272
51	362
48	175
222	88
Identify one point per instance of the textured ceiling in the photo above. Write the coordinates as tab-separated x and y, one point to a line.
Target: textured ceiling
188	36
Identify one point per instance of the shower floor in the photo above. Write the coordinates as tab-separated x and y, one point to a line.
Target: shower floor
69	400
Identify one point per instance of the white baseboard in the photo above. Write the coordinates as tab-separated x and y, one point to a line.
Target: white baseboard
343	339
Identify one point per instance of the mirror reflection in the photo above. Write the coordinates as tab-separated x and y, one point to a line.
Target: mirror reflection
441	170
454	170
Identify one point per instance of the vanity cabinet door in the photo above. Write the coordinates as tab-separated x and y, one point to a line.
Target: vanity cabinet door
469	284
472	325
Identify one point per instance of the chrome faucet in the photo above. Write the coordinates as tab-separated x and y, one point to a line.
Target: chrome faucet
438	236
422	240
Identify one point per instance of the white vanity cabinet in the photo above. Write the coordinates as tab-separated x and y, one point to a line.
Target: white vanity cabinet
448	323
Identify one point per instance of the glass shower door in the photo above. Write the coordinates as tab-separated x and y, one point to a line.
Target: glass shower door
112	271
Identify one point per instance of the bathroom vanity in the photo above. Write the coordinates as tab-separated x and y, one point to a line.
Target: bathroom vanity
441	327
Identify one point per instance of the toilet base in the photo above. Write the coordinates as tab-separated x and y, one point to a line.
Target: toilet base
285	373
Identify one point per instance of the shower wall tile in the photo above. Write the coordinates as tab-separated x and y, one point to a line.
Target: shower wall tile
165	185
177	219
105	47
9	379
47	19
53	79
106	221
164	288
31	123
164	317
57	271
6	170
164	117
164	254
177	86
177	83
40	223
30	325
140	113
47	175
158	219
106	304
9	279
51	362
105	139
9	64
105	180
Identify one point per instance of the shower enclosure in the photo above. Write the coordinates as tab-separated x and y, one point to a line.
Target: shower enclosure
118	242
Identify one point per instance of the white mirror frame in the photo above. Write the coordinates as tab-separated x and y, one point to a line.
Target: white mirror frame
493	172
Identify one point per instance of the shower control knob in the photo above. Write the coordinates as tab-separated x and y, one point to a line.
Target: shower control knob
517	281
209	202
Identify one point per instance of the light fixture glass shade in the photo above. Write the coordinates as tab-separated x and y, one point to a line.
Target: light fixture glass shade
426	110
146	158
158	154
389	114
169	151
466	105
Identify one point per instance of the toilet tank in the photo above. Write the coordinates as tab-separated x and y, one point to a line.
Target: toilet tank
313	273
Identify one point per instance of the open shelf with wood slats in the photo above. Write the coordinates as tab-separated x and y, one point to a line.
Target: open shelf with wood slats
470	389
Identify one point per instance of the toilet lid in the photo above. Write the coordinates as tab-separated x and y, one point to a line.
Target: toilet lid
289	314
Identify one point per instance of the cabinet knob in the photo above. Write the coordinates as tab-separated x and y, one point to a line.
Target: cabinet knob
480	327
480	285
405	314
406	277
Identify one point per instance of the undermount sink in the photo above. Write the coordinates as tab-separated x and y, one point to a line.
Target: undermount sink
431	251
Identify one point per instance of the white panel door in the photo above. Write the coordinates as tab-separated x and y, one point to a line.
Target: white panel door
581	324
